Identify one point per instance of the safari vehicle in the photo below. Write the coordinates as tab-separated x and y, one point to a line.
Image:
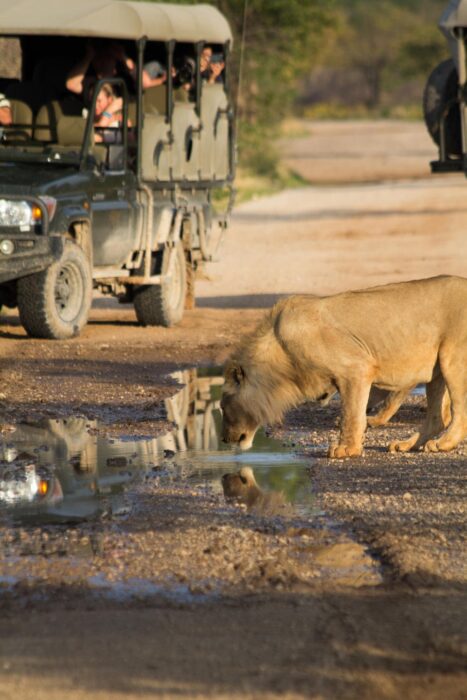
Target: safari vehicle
129	212
445	96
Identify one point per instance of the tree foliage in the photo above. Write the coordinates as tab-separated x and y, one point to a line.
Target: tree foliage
386	42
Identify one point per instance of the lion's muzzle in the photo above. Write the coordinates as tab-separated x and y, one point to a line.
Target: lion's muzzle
238	427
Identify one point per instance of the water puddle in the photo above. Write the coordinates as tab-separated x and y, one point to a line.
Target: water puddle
67	471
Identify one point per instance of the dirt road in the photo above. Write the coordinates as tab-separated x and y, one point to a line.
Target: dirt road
273	623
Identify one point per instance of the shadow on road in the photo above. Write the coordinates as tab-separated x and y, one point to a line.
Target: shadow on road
241	301
327	645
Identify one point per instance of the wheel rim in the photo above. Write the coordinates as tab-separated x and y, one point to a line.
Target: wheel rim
176	286
68	292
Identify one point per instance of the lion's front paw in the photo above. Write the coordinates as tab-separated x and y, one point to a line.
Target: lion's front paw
431	446
397	446
343	451
439	445
403	445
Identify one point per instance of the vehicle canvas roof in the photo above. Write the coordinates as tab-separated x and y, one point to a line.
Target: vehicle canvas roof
114	19
455	15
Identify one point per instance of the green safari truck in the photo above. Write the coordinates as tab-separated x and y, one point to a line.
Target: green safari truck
125	208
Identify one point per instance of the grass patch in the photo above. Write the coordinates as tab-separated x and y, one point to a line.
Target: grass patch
250	185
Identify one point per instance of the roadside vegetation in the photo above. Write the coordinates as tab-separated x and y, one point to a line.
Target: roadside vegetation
375	61
325	59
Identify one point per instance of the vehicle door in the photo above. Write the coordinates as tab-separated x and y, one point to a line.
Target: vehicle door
114	215
113	195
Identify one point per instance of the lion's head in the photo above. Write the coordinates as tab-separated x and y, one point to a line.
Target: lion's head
241	486
239	425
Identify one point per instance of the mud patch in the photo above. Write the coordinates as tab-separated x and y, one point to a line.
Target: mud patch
128	518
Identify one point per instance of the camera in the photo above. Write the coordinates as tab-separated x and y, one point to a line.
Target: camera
217	58
186	71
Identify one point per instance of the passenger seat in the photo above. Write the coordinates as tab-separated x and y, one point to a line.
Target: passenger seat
21	129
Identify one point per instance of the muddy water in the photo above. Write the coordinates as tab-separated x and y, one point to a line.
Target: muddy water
67	470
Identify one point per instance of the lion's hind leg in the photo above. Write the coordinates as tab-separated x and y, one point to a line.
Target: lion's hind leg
435	417
454	369
389	407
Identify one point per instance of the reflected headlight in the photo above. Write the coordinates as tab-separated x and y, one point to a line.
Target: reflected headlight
43	487
19	213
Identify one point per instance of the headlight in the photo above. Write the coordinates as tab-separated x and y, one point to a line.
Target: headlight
7	247
19	213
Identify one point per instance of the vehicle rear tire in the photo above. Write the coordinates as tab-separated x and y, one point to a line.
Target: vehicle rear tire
55	303
163	304
440	89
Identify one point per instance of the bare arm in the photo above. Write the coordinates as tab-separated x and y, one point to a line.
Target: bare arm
75	77
5	116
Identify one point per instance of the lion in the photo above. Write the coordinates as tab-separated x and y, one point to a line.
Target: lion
242	487
391	337
384	403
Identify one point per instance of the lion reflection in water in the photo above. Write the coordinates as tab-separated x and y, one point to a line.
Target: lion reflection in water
242	487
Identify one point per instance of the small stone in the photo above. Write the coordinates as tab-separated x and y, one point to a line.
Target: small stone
407	496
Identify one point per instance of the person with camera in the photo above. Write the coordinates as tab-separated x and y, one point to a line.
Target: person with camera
211	65
100	60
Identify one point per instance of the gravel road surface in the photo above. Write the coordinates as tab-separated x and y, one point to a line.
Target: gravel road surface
228	604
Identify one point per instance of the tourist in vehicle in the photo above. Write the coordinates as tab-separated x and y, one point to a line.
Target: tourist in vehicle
185	73
100	61
110	61
5	111
154	73
108	113
211	65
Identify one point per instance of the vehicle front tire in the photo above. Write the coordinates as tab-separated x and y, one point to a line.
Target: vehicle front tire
55	303
441	88
163	304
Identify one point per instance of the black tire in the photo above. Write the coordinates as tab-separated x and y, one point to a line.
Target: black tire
441	88
55	303
163	304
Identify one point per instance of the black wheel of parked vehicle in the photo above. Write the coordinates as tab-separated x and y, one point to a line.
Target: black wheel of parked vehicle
440	90
163	304
55	303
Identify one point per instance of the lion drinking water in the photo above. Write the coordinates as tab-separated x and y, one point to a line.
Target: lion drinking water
391	337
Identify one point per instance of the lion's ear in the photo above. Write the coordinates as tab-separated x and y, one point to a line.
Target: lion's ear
236	373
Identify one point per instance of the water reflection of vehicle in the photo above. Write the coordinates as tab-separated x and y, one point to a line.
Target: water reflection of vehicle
75	468
192	411
24	484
